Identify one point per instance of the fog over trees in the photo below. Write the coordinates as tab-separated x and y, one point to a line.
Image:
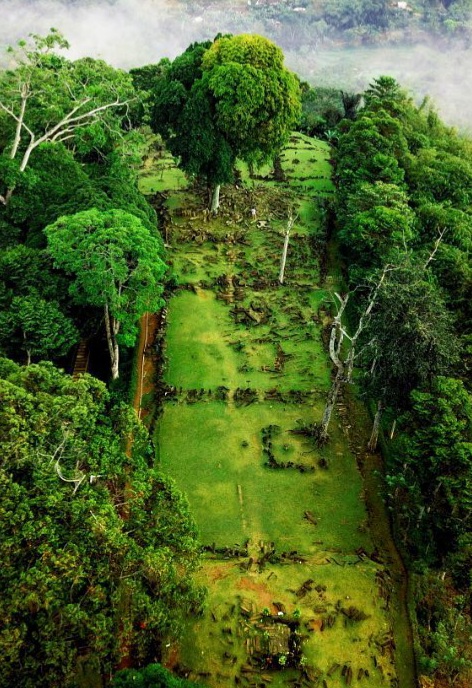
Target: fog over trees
127	33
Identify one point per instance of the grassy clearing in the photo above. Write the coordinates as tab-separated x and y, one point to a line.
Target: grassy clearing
216	457
206	349
305	162
242	354
159	171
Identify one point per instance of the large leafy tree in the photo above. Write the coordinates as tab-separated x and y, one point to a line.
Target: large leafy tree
434	458
229	99
417	203
56	175
46	98
377	220
35	314
116	264
37	328
24	269
74	557
409	337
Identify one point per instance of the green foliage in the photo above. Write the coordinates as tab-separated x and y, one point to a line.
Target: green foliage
256	98
49	99
406	183
69	558
409	337
37	328
445	629
378	220
35	318
436	458
116	265
419	221
115	177
152	676
24	269
146	78
321	110
59	186
224	100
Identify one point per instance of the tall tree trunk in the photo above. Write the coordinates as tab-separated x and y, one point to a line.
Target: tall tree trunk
215	199
330	403
27	349
56	133
374	436
279	175
5	198
335	341
283	260
112	327
338	334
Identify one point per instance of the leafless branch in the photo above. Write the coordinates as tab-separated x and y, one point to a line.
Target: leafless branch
437	243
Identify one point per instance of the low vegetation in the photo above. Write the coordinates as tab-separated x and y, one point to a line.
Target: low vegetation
297	589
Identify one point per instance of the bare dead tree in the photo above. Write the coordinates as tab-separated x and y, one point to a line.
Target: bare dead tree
344	355
79	116
21	91
283	260
78	476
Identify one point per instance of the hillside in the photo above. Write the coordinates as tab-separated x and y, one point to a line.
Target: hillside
300	591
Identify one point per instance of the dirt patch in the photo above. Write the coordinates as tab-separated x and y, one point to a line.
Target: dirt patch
314	625
148	327
172	658
264	596
216	573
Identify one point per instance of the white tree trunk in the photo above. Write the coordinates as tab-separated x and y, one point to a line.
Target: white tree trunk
215	199
338	334
374	436
63	130
330	403
112	327
19	124
335	341
283	260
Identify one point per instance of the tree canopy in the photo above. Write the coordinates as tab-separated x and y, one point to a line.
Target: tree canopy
152	676
46	98
116	264
232	98
405	184
68	555
36	327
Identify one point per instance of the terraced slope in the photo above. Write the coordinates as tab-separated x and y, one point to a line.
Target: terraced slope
297	593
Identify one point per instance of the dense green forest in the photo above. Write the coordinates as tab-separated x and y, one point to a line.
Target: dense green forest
403	212
99	546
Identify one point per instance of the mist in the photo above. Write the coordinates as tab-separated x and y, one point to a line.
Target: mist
130	33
